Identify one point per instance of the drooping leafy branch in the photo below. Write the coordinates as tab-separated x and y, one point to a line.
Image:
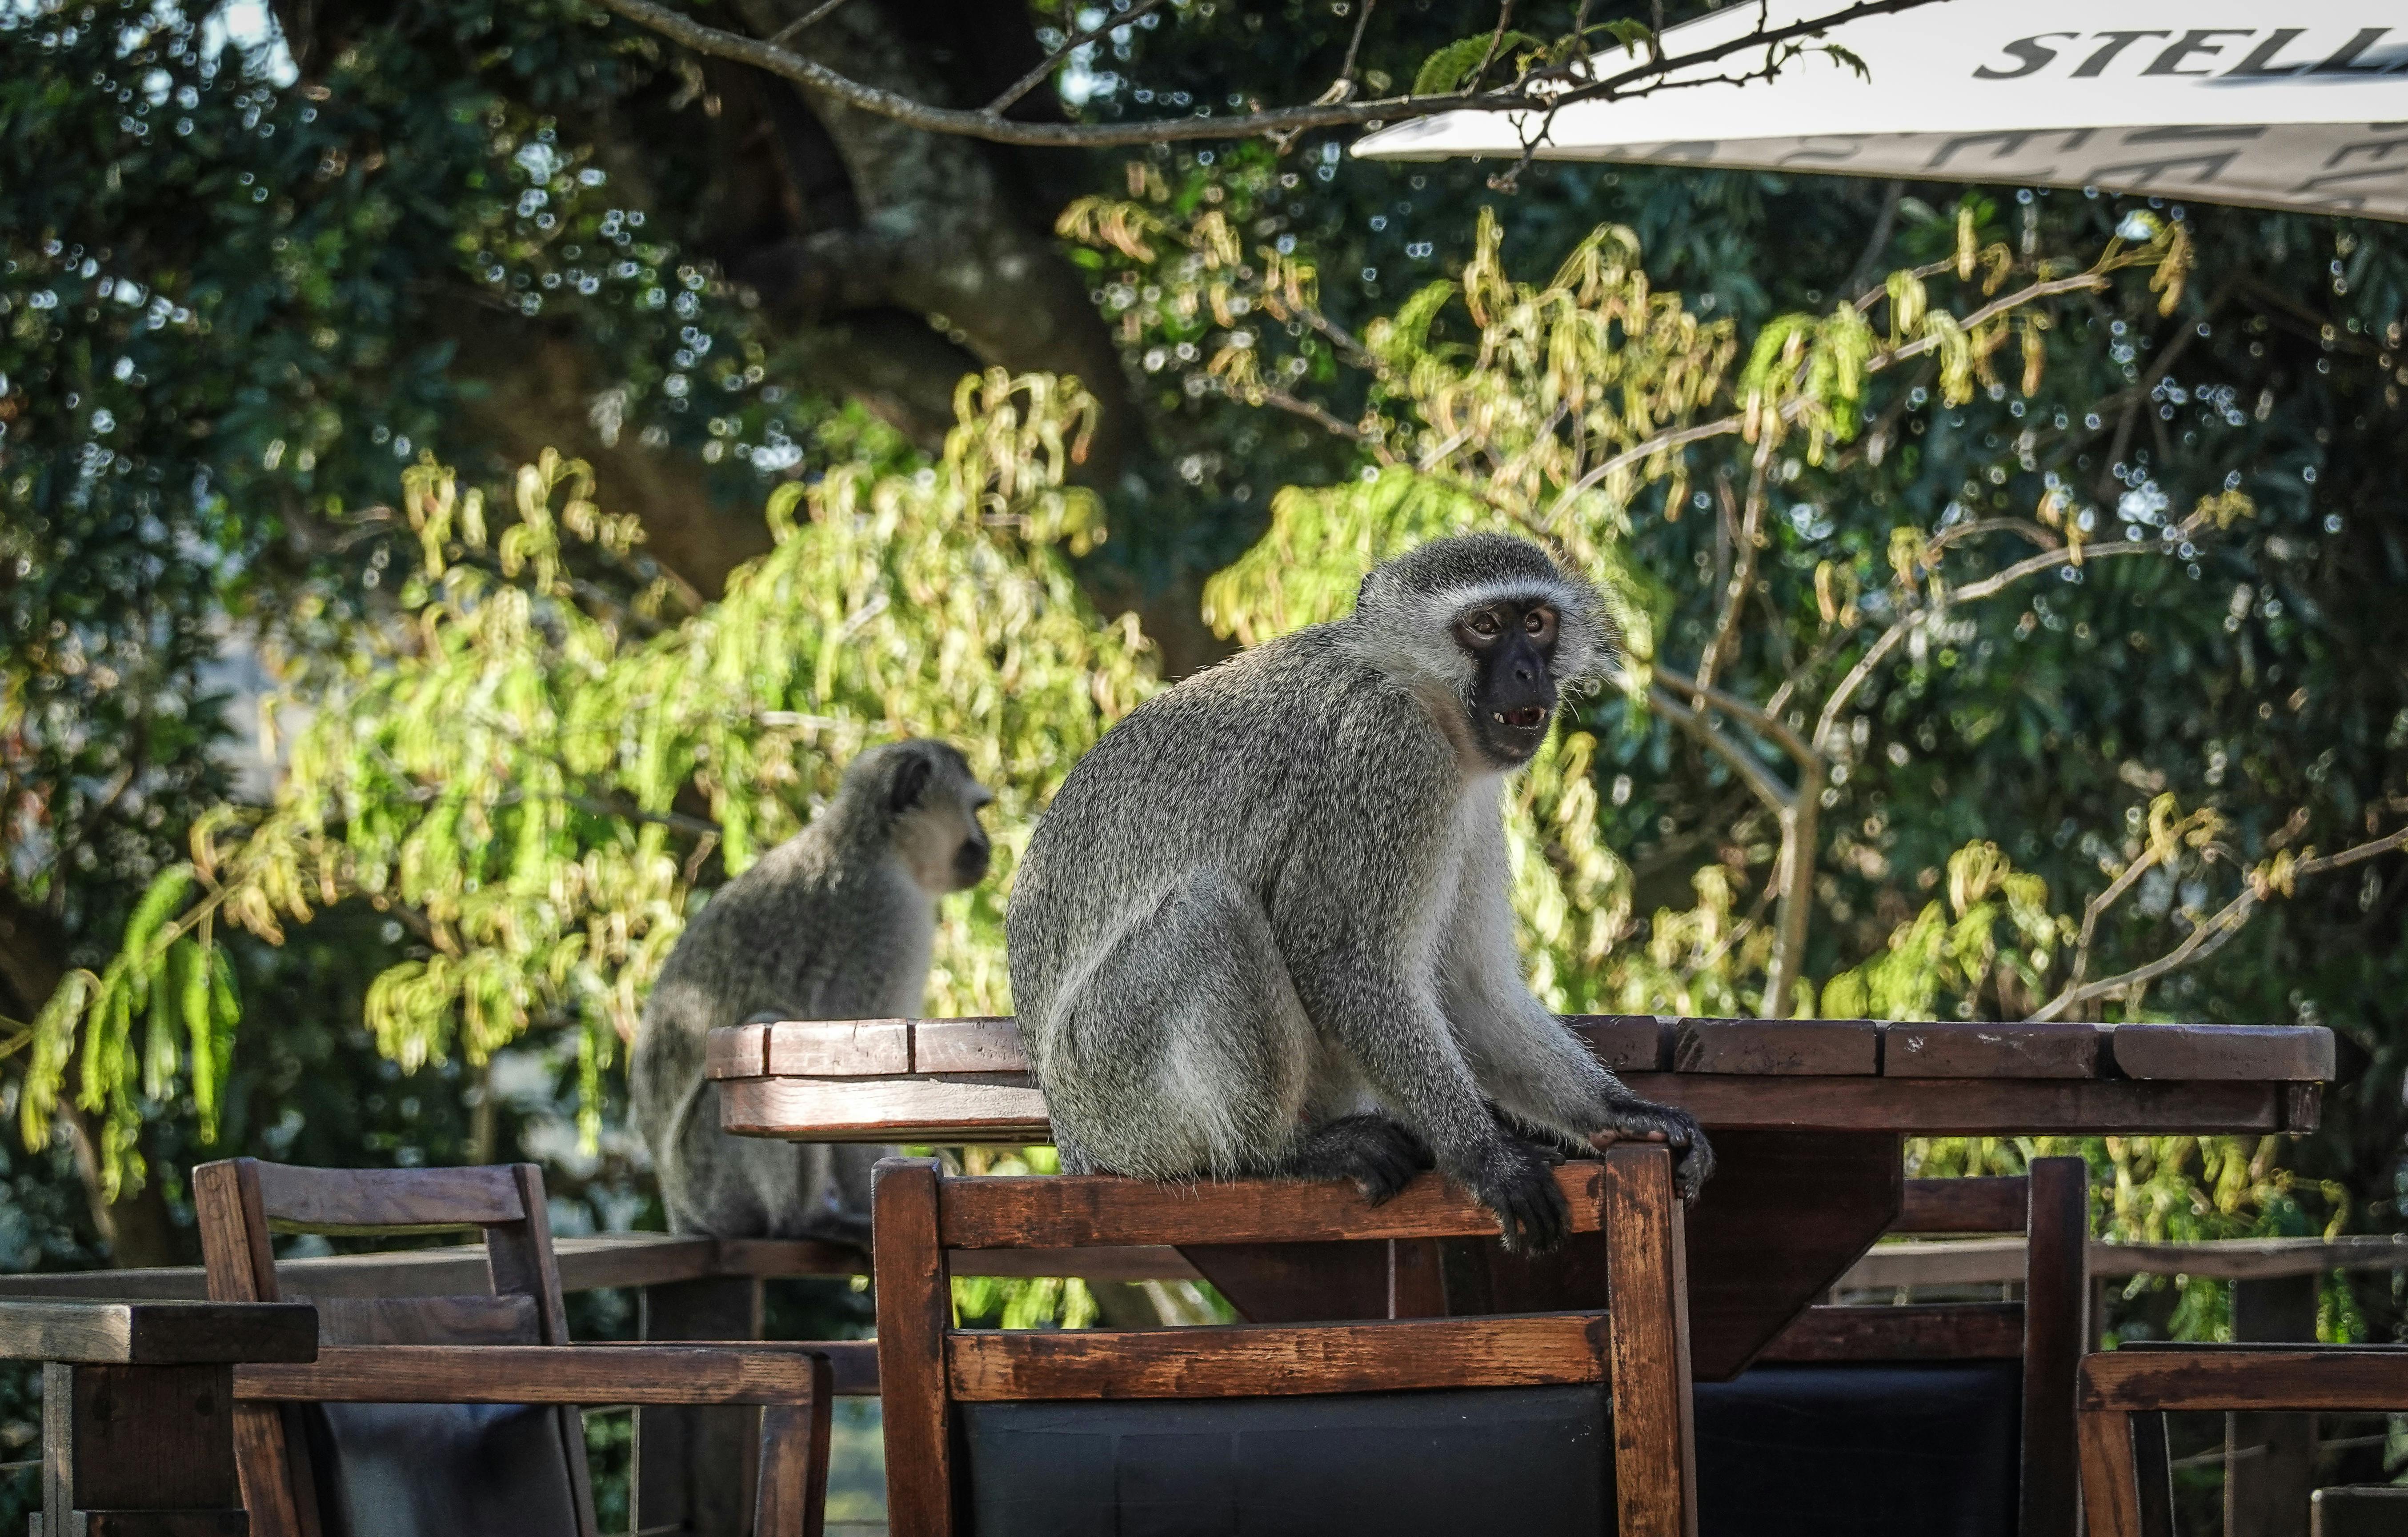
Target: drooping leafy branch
535	781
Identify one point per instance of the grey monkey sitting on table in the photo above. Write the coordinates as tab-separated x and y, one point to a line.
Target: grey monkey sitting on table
1263	930
836	923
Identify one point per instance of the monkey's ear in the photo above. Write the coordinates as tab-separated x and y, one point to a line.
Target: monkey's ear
911	780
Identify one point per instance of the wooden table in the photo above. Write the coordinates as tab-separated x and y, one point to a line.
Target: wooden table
1807	1117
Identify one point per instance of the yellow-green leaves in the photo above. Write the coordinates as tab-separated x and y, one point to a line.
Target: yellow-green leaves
1456	66
518	763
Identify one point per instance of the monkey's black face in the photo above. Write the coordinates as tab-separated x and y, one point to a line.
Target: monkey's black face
1511	643
970	860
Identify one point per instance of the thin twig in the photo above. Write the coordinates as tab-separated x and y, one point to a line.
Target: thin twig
1354	47
1749	768
802	24
2211	933
1772	727
1796	407
1751	526
1112	20
1974	592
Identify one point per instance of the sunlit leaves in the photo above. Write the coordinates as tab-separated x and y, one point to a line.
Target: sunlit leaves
536	778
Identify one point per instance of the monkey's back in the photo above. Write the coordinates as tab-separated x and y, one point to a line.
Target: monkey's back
1229	771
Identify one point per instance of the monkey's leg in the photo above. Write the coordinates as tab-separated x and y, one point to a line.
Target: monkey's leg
1182	1050
1372	1152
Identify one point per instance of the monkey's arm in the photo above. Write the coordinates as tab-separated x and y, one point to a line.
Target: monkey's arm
1353	914
1524	1057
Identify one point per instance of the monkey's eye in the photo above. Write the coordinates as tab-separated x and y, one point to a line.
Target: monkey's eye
1484	624
1539	623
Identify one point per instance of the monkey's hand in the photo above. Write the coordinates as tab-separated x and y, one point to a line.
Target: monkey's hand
1636	1120
1517	1182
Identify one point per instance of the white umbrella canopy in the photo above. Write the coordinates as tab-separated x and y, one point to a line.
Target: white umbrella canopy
2298	106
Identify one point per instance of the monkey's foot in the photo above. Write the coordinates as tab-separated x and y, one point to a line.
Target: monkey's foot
1379	1156
1517	1182
1636	1120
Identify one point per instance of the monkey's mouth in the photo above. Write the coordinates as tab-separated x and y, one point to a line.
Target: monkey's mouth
1527	718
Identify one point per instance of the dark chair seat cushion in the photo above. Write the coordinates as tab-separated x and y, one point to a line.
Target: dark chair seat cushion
439	1469
1531	1461
1905	1450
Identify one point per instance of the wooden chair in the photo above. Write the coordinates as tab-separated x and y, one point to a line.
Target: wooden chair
1395	1426
455	1415
2123	1397
1997	1431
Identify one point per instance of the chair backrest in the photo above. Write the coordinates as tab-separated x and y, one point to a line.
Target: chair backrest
927	1366
388	1469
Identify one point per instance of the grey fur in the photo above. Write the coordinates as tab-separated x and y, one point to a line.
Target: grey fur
1263	928
836	923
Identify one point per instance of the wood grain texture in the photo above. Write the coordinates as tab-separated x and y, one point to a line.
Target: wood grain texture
839	1048
1963	1049
2240	1377
2111	1496
1914	1331
1647	1336
2057	1295
1627	1042
1071	1211
586	1375
1246	1360
1002	1108
914	1310
1761	1048
735	1051
1782	1219
1967	1106
791	1498
228	1210
1982	1204
145	1437
157	1333
992	1107
386	1200
2222	1052
967	1045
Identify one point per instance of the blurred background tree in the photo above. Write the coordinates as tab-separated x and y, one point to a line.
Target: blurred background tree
259	262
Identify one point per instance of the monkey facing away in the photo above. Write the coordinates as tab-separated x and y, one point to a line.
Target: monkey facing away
836	923
1263	930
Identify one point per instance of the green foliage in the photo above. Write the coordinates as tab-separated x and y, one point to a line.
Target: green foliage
505	763
1459	64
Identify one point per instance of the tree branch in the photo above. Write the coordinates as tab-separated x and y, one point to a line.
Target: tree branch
1539	91
2211	933
1749	768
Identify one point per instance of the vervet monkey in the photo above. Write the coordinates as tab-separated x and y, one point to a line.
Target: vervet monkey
1263	930
836	923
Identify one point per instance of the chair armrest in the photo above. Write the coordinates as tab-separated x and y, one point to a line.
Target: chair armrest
855	1362
745	1373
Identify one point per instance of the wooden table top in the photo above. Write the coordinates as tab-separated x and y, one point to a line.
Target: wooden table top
957	1080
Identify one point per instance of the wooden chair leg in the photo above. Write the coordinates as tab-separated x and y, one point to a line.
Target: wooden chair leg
2111	1493
791	1500
1647	1327
2056	1292
914	1310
